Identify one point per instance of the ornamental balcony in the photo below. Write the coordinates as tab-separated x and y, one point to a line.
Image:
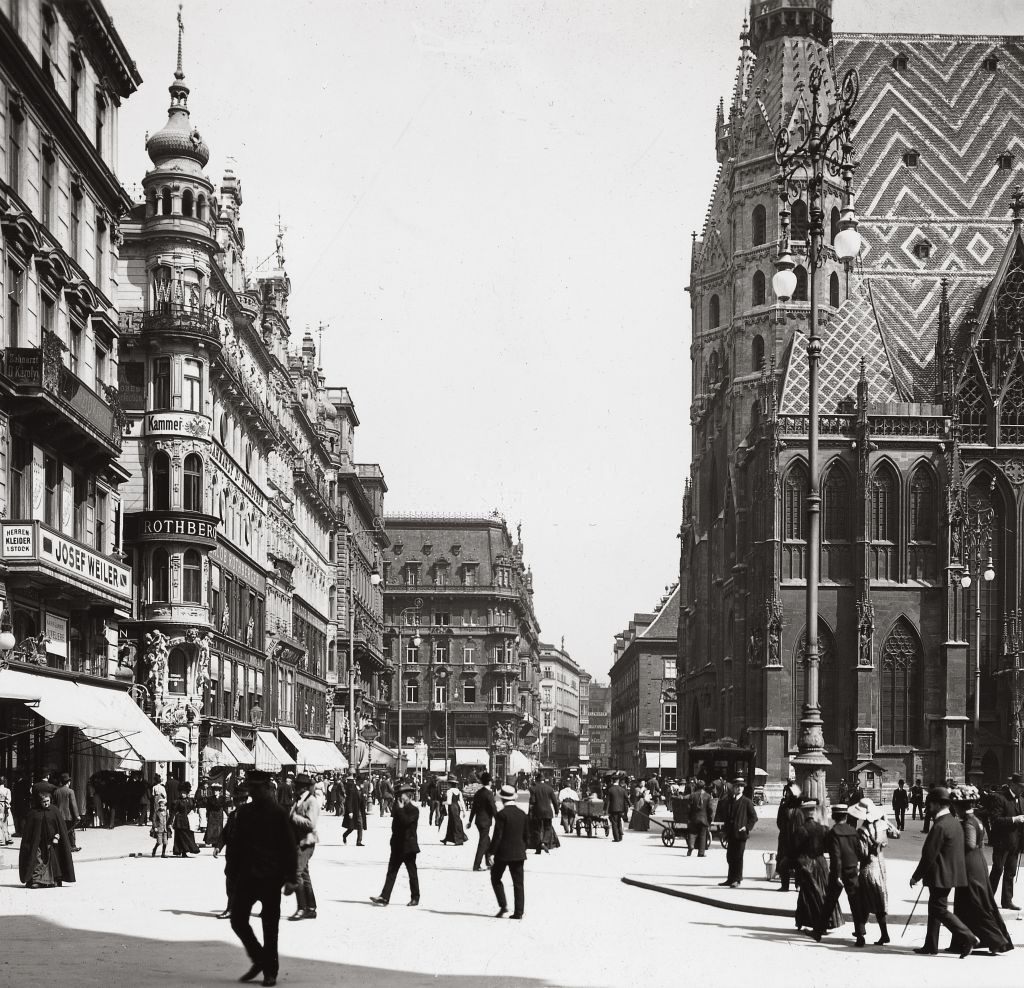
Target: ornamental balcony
58	404
172	321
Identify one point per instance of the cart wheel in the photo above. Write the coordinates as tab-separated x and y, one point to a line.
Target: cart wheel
668	837
579	828
590	827
607	829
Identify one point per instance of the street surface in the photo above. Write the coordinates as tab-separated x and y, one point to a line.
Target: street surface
144	921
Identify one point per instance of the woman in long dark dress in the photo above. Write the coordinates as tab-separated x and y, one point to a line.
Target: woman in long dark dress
975	904
184	839
810	865
641	819
45	855
215	805
455	834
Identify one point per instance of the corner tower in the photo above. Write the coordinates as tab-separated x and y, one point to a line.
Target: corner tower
770	19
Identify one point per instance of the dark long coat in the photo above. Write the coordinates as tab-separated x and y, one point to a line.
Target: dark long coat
40	827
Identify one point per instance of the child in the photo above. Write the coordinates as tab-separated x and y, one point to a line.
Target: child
161	824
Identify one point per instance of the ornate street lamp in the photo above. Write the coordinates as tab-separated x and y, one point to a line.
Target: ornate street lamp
827	145
414	607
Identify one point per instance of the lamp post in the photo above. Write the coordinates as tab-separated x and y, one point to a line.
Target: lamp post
827	144
667	696
416	640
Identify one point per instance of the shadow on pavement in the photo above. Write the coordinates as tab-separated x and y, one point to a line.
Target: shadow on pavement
113	960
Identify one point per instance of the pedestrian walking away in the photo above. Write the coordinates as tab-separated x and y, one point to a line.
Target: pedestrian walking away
845	857
741	818
543	810
455	833
404	847
6	817
616	803
509	851
1006	818
261	856
942	868
900	802
305	814
568	801
67	806
811	870
355	812
698	819
789	811
482	811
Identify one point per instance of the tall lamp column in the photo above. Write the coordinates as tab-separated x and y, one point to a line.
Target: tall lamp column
374	581
827	145
400	686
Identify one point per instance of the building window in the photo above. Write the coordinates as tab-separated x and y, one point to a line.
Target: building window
51	479
468	654
193	500
161	576
412	574
75	82
161	481
922	250
837	505
442	619
80	493
47	313
15	286
193	577
14	138
101	522
670	669
670	718
469	574
757	353
833	290
800	294
798	220
901	660
75	350
100	367
899	63
99	252
834	220
547	694
162	383
469	693
1005	162
75	228
412	653
412	691
193	390
21	478
714	312
101	119
547	718
794	505
46	189
758	289
911	159
177	668
990	64
883	506
441	654
440	693
758	226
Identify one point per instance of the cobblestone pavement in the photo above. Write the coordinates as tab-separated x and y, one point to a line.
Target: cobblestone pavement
139	921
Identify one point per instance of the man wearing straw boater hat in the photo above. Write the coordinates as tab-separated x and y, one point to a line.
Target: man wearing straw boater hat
843	847
508	848
942	868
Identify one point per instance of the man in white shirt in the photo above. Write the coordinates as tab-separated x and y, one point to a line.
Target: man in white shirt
568	800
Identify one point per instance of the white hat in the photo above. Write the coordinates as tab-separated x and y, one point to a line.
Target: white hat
506	792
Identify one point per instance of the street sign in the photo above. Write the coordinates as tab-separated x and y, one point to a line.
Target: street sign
369	733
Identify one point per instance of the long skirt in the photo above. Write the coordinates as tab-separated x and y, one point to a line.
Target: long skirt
5	828
812	877
214	825
641	819
456	833
184	841
874	895
975	905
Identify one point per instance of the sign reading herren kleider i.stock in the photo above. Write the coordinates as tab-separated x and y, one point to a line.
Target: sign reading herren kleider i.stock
33	545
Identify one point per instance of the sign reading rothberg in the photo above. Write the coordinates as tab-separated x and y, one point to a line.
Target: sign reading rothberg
172	526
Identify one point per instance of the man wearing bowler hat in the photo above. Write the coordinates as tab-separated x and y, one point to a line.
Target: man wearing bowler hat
1006	819
508	849
262	854
404	847
740	820
942	867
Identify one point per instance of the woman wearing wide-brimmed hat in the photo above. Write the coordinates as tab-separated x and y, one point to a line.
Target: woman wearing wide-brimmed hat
873	831
974	904
807	846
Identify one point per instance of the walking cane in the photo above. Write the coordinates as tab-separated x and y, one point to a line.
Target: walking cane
911	916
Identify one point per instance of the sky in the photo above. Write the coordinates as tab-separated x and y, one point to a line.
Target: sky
488	205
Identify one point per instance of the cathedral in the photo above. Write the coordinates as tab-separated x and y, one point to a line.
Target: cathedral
921	414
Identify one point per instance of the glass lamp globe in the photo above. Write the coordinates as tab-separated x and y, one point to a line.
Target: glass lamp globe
7	641
417	641
784	283
990	573
848	241
374	578
965	581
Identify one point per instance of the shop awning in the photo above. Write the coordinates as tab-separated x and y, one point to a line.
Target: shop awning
237	748
472	756
215	755
270	756
518	762
438	765
136	729
330	758
381	754
666	759
56	700
313	754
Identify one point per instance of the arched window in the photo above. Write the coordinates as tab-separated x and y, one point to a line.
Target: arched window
165	201
161	576
794	504
161	481
838	509
201	207
758	226
798	221
758	289
193	577
714	314
901	686
186	202
833	290
757	352
833	224
193	499
923	525
830	685
177	670
884	523
800	294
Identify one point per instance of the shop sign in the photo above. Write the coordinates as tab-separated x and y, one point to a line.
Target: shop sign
172	525
71	557
177	424
57	633
18	541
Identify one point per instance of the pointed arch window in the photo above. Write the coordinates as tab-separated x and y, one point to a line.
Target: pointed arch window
833	290
798	220
901	688
757	352
714	312
758	226
161	481
758	289
794	504
923	525
193	499
884	523
830	686
800	294
1011	412
973	406
833	224
836	556
161	576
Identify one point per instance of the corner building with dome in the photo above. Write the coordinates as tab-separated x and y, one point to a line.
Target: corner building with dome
921	398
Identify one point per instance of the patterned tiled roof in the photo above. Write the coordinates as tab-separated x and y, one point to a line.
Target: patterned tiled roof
959	116
853	334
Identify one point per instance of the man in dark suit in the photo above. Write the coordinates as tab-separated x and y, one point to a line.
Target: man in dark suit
942	867
617	805
900	802
698	819
67	806
741	818
508	848
543	808
404	847
262	854
286	792
482	812
845	854
1006	817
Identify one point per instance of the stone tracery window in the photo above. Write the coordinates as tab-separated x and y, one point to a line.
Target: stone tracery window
901	666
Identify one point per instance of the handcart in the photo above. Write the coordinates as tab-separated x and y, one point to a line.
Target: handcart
590	815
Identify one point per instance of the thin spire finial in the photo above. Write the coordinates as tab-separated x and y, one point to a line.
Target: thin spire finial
179	73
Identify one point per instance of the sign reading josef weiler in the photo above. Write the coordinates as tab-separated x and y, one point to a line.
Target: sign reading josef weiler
84	563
